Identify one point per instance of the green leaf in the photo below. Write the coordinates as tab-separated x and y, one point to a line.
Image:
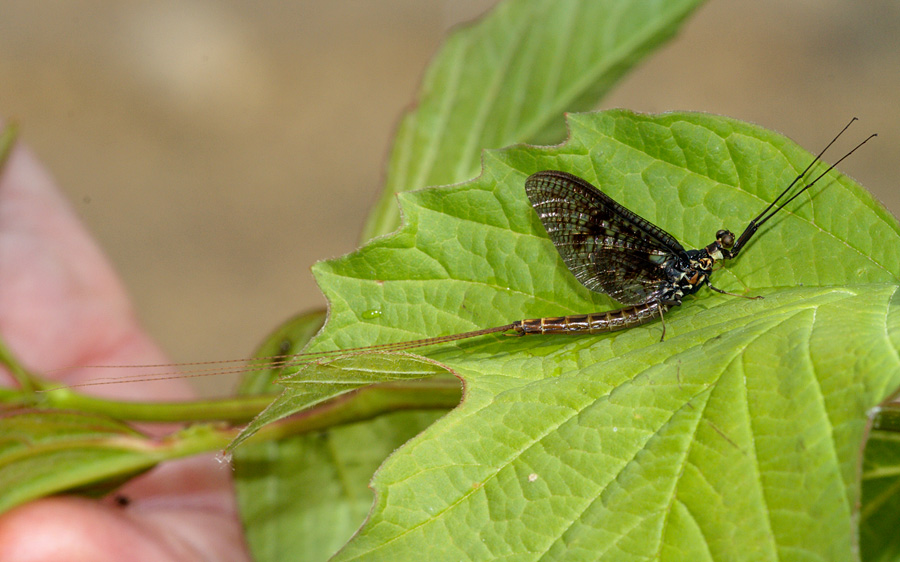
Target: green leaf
509	77
44	452
49	451
303	497
738	435
881	498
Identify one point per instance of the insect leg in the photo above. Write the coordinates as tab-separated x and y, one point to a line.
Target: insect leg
663	321
718	290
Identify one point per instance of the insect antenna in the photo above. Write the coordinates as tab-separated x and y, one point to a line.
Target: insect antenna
765	215
820	176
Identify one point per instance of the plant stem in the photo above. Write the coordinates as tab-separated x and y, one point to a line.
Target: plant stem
366	403
232	410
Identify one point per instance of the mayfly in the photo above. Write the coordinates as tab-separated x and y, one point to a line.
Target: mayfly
609	249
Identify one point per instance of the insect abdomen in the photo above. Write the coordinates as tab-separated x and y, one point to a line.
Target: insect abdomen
598	322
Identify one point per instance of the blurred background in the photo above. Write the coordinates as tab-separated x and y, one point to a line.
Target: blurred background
218	148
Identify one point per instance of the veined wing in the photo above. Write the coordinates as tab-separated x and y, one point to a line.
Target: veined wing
608	248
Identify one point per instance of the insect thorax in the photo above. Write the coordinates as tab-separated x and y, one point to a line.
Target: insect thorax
685	276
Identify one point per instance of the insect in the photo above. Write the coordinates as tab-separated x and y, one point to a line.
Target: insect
610	250
613	250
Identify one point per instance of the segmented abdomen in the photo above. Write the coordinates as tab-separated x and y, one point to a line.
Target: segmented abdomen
595	323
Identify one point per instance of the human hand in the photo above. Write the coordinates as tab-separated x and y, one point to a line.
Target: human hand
62	304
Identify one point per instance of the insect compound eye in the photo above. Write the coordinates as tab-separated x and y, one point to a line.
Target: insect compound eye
725	238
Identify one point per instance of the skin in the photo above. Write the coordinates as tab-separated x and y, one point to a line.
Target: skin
62	304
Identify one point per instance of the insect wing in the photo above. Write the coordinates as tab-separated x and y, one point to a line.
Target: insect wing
608	248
